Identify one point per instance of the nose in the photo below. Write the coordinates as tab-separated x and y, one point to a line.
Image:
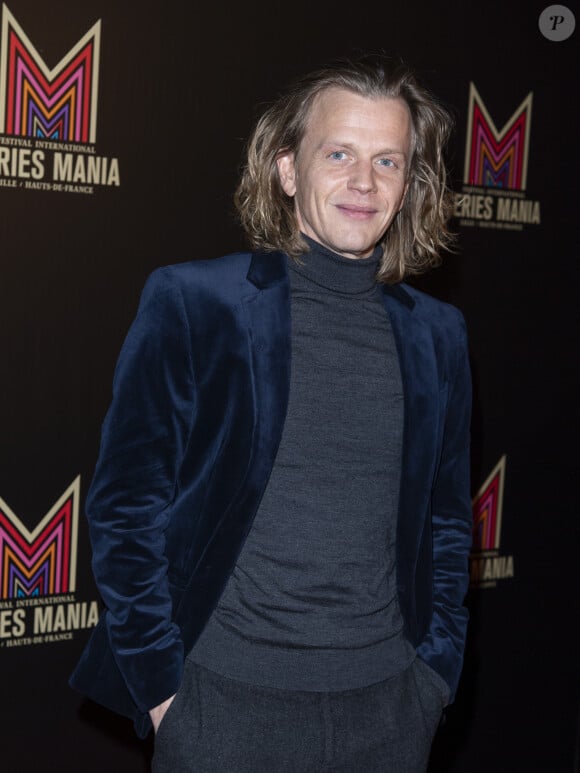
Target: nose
362	177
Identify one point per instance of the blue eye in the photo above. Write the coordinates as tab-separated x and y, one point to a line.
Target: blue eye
387	162
337	155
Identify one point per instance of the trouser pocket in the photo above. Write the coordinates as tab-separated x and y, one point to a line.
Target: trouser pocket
432	692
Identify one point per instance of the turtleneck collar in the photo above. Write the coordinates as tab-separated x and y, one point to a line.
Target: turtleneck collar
350	276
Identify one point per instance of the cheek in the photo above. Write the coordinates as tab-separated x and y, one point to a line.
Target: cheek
315	191
394	195
306	194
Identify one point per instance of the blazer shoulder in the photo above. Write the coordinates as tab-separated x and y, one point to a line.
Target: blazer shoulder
235	264
434	310
223	276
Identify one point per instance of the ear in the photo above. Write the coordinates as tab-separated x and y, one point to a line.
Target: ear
287	172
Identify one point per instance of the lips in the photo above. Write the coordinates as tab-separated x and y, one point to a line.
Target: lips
356	212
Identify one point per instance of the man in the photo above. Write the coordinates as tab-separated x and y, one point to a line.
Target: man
280	513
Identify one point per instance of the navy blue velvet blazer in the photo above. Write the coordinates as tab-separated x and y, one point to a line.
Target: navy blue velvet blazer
199	401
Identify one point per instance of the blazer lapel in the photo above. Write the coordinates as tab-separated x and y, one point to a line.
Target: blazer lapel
267	308
421	417
265	314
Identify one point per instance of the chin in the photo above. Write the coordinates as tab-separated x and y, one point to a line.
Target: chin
357	247
360	251
355	254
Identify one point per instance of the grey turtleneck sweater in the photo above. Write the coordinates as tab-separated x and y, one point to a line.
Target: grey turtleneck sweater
312	603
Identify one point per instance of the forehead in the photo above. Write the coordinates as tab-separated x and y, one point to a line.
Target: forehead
339	110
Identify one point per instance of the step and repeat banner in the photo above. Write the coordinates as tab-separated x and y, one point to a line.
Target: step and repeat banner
121	132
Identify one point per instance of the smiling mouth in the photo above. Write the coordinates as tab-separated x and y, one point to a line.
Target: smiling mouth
356	212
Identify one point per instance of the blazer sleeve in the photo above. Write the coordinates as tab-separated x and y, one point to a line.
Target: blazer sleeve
451	520
143	439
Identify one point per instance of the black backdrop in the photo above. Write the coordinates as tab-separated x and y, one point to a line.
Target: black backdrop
179	86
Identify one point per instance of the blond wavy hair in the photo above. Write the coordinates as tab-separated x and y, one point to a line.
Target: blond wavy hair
416	237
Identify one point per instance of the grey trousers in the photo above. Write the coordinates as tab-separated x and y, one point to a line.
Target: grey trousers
217	724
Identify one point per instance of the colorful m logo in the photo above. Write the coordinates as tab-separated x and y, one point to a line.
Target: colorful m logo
43	561
35	101
487	510
497	158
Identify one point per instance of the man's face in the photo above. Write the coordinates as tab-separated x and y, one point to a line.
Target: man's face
349	176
